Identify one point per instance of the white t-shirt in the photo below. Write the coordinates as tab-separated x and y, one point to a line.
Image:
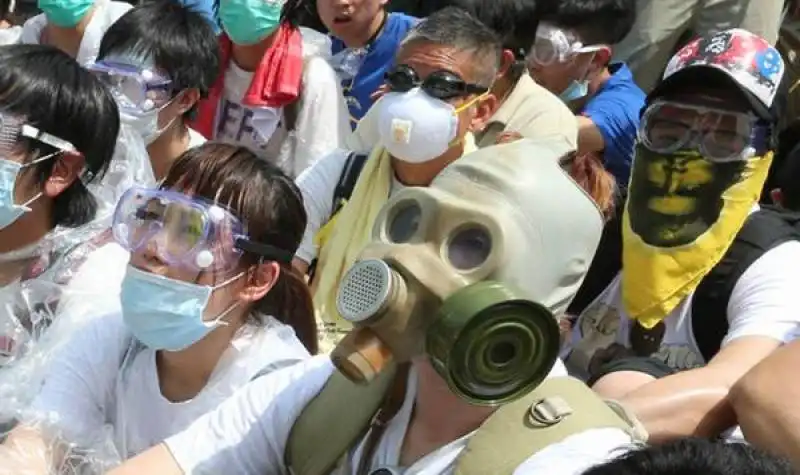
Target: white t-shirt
106	382
10	35
317	184
322	121
196	139
247	435
94	289
106	13
762	304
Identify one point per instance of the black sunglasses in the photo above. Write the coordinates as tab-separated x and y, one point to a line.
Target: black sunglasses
442	85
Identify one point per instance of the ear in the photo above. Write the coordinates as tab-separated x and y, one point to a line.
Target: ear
484	110
260	280
187	99
601	58
507	60
67	168
777	196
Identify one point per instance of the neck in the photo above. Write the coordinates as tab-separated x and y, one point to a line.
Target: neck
502	88
422	174
183	374
248	57
598	81
67	40
363	37
440	414
167	148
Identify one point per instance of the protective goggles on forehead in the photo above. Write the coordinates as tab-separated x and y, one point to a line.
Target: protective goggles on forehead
136	89
13	129
443	85
720	135
184	231
554	45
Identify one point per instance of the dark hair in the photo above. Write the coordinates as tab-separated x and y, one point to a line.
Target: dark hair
456	28
56	95
695	457
785	169
180	41
595	21
270	206
514	21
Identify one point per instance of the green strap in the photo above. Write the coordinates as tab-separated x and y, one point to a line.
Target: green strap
558	408
333	422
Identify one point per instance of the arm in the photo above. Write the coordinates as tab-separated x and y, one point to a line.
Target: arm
762	315
317	185
589	137
695	402
323	121
69	407
766	403
246	434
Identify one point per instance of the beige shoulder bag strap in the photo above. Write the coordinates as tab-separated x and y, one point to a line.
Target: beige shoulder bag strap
558	408
334	421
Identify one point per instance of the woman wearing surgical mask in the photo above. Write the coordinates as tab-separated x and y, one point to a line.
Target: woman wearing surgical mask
276	93
209	302
73	26
158	60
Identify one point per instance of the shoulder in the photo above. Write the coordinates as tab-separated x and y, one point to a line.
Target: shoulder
577	453
398	24
771	266
280	342
322	175
315	44
114	10
32	29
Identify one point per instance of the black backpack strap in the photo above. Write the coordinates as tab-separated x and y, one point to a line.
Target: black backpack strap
344	189
347	180
762	231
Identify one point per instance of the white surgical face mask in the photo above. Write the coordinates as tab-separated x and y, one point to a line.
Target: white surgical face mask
146	123
415	127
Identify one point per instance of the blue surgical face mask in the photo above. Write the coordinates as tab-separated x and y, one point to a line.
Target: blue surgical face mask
576	90
167	314
9	210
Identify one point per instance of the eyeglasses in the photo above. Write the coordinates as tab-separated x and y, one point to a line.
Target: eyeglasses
443	85
720	135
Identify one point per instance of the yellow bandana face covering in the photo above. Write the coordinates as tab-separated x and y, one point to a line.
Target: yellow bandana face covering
682	214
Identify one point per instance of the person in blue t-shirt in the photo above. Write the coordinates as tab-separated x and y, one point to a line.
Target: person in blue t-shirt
365	39
571	57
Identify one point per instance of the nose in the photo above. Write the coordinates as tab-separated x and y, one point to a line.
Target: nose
154	251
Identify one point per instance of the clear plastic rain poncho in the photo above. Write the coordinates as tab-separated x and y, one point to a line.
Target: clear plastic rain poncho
38	309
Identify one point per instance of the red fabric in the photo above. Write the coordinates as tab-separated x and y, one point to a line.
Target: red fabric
276	81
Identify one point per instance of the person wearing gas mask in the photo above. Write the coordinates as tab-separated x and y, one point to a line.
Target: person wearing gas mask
571	57
364	40
438	93
74	27
159	60
275	93
705	292
454	341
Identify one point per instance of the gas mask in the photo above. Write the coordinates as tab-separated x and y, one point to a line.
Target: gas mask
470	272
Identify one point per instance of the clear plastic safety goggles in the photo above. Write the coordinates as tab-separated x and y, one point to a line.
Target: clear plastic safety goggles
554	45
720	135
136	89
13	129
184	231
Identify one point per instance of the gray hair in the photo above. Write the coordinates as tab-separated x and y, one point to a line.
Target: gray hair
455	28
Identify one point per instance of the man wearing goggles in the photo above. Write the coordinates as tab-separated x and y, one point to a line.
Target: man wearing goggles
694	308
158	60
437	95
571	57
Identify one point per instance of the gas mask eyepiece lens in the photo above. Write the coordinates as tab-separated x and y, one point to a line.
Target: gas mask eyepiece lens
404	224
469	248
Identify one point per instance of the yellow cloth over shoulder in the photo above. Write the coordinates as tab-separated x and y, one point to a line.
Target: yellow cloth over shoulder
343	238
